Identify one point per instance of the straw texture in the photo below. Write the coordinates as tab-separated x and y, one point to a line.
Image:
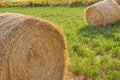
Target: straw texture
118	1
102	13
30	49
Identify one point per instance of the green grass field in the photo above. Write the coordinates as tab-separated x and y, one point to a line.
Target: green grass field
94	52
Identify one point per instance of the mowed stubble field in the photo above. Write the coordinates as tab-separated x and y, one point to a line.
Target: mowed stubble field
94	52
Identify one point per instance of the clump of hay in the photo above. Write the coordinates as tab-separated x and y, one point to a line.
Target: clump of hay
102	13
30	49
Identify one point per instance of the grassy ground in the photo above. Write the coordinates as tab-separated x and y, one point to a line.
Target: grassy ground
94	52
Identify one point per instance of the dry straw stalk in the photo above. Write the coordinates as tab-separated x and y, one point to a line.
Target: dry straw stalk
30	49
102	13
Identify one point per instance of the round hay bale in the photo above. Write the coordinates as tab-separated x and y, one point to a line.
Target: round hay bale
102	13
30	49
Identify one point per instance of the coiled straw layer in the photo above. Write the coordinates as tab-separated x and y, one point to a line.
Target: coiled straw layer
30	49
102	13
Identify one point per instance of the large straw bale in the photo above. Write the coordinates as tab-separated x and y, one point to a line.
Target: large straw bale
102	13
30	49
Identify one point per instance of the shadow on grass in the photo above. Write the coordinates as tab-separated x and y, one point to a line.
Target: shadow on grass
106	32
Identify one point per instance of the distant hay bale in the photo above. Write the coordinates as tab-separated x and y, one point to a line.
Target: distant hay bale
30	49
102	13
